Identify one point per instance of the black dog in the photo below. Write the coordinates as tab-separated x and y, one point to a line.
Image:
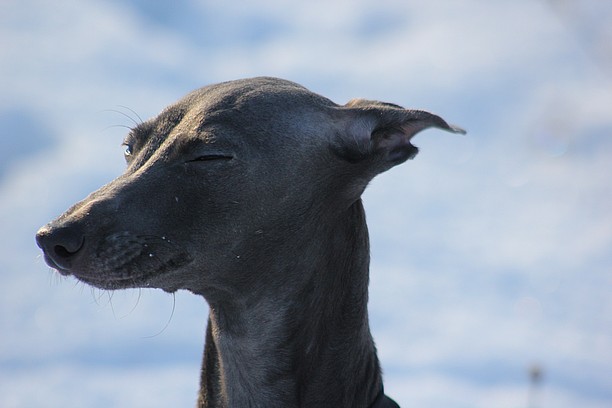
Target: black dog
248	193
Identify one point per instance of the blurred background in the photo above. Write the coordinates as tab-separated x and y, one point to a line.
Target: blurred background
491	276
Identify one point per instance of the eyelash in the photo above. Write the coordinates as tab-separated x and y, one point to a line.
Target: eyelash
210	157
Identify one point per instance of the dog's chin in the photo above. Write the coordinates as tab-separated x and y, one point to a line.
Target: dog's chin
116	282
101	281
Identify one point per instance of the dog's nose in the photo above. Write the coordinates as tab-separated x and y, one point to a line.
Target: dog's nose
60	246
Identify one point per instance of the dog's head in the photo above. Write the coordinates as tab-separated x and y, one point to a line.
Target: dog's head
225	175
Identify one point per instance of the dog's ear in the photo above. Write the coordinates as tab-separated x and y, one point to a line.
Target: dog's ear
380	132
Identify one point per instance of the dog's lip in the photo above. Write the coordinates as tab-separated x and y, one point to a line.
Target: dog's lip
61	270
92	278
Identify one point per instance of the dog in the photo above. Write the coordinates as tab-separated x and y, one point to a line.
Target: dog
248	193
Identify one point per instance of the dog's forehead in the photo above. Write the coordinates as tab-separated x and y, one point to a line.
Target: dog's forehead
253	103
272	112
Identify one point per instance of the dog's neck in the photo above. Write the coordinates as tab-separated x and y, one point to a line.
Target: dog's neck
309	345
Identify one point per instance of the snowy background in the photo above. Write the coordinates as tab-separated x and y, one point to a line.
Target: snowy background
492	252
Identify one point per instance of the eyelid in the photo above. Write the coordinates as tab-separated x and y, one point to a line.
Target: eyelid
210	157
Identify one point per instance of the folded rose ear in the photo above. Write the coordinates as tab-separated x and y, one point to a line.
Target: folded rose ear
381	132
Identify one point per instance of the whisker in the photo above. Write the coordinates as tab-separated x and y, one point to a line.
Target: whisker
134	112
134	306
110	302
114	126
96	295
54	277
169	319
123	114
82	287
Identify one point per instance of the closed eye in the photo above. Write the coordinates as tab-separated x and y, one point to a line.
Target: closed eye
210	157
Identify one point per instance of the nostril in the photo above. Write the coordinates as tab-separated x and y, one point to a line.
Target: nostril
62	252
60	245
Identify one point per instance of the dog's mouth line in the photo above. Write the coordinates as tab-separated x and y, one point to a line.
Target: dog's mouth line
109	282
95	278
118	278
